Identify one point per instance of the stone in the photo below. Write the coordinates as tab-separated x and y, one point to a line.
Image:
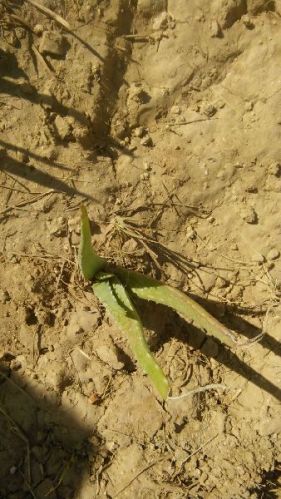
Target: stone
62	127
109	356
247	21
210	110
3	152
249	215
53	44
161	21
175	110
273	254
249	106
139	131
58	227
275	169
221	283
22	156
208	281
215	29
38	29
258	258
4	296
147	141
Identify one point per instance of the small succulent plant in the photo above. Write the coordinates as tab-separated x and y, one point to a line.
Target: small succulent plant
114	287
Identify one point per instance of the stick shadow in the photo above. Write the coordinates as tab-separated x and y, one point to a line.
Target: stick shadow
33	174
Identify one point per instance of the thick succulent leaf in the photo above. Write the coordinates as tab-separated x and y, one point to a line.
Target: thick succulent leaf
150	289
112	294
89	261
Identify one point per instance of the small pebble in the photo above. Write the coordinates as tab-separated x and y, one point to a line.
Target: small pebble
273	254
144	176
22	156
62	127
15	364
175	110
161	21
4	296
190	233
249	106
210	110
53	44
275	169
248	23
38	29
3	152
147	141
251	188
249	215
139	131
258	258
215	29
221	283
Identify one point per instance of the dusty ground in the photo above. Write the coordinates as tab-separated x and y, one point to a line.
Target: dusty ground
166	114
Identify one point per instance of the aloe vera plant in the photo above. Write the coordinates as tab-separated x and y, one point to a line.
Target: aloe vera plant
113	287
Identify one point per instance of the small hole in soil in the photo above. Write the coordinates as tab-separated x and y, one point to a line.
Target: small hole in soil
30	317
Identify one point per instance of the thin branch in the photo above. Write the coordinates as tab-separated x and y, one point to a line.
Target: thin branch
49	13
213	386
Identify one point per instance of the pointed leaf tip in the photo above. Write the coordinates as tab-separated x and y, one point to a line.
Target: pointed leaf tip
89	261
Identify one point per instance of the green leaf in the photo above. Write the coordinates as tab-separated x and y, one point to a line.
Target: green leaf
150	289
112	294
89	261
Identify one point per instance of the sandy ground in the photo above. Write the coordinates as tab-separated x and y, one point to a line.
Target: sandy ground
164	115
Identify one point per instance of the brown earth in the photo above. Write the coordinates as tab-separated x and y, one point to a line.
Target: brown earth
163	117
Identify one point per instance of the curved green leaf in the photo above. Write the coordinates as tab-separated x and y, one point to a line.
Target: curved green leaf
111	292
89	261
150	289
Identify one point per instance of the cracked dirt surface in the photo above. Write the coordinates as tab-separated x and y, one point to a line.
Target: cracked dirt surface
163	117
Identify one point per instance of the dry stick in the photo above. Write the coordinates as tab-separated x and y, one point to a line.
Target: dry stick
26	203
141	472
213	386
49	13
12	189
189	122
199	448
60	478
20	183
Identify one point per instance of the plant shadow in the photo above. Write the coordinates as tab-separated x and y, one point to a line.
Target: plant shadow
196	338
45	450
